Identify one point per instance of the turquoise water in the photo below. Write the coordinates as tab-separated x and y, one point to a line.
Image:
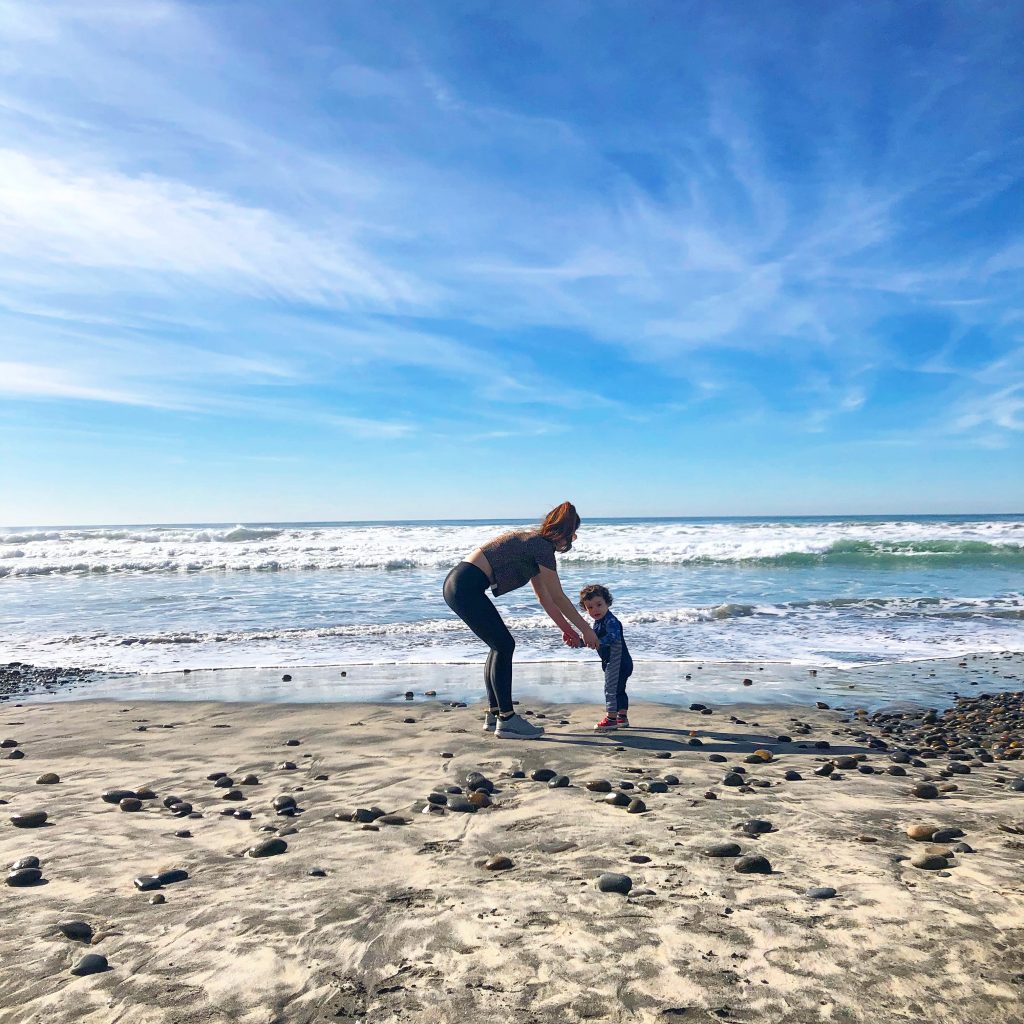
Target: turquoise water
819	591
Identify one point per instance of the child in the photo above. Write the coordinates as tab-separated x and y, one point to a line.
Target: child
596	600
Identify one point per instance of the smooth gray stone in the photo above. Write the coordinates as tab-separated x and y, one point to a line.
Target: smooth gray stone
542	775
115	796
144	883
559	782
438	799
756	826
283	801
172	876
613	882
268	848
80	931
946	835
24	877
91	963
723	850
30	819
25	862
636	806
392	819
243	814
654	786
461	805
753	864
820	892
616	800
130	803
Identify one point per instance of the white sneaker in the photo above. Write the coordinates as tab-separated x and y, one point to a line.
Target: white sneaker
490	722
517	728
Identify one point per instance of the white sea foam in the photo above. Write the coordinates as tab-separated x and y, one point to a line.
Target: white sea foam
399	547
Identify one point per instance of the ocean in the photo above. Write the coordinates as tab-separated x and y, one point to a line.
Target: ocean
827	592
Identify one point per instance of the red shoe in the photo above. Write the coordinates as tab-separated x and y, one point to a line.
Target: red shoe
622	720
607	724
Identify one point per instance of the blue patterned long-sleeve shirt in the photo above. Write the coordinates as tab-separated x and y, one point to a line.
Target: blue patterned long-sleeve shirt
613	650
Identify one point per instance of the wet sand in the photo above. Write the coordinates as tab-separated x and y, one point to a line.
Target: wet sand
405	923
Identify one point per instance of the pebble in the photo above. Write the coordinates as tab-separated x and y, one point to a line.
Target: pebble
921	833
820	892
30	819
233	794
542	775
438	799
963	848
392	819
287	766
130	803
654	786
250	780
733	779
723	850
447	754
498	862
15	755
664	755
461	804
8	743
168	801
283	801
146	882
49	779
670	780
242	814
753	864
636	806
946	835
157	898
480	798
616	800
79	931
91	963
598	786
925	791
25	862
316	873
793	776
24	877
756	826
930	862
216	776
224	782
115	796
612	882
268	848
183	833
640	858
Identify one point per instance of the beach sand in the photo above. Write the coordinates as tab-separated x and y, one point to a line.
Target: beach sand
406	924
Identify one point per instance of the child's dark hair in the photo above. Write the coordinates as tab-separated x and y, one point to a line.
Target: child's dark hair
592	590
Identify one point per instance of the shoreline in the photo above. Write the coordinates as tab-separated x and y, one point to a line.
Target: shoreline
400	919
925	683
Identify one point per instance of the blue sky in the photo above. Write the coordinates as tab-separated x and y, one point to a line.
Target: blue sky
333	260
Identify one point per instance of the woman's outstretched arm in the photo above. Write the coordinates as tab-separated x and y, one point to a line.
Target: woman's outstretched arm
553	600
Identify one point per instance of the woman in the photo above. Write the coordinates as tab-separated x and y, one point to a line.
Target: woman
504	564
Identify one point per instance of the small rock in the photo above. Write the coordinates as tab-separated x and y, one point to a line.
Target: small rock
392	819
820	892
49	779
753	864
925	791
24	877
79	931
756	826
30	819
722	850
157	898
130	803
268	848
616	800
115	796
498	863
542	775
598	786
636	806
612	882
930	862
91	963
461	805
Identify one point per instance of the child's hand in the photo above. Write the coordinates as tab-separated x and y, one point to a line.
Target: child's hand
590	638
572	640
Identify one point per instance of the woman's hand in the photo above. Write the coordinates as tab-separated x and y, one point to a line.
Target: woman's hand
590	638
572	640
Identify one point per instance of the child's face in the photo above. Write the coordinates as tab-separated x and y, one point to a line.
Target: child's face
596	607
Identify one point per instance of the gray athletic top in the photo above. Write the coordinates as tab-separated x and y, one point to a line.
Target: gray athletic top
515	558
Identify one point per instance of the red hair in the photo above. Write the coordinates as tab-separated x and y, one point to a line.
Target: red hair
560	524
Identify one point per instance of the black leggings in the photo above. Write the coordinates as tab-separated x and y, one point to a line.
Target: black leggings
465	592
